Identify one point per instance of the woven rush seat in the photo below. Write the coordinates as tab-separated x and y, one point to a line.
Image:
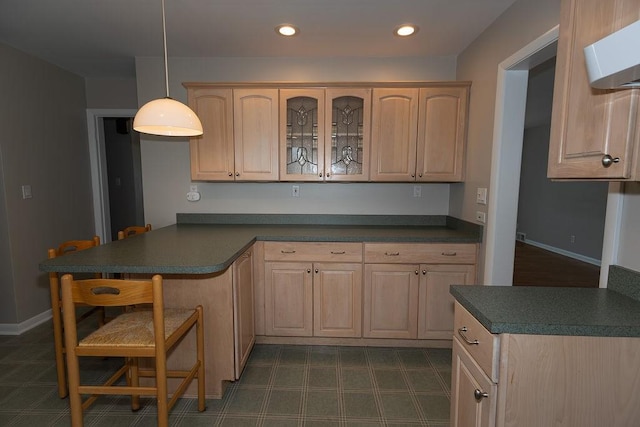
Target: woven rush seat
135	329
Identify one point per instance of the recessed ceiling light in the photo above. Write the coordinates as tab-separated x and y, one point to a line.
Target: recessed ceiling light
405	30
287	30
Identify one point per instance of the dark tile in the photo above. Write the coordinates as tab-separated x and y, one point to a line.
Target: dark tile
279	422
255	375
360	405
413	358
263	354
424	380
293	355
322	404
399	406
284	402
289	376
325	377
390	379
353	356
383	357
322	355
439	357
356	379
246	401
238	421
321	423
197	420
434	407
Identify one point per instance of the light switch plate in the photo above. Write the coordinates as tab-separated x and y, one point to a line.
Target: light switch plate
26	192
481	196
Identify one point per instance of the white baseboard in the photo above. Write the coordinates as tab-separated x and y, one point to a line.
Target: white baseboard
20	328
565	253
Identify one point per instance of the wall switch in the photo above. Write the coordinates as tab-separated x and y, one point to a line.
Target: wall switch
572	238
26	192
481	217
295	191
417	191
481	196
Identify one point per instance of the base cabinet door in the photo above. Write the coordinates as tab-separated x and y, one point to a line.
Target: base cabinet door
337	300
435	311
473	394
391	301
288	298
243	303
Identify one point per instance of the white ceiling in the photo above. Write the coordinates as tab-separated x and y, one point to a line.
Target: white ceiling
100	38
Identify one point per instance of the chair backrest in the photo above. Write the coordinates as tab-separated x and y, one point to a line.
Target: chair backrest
133	230
73	246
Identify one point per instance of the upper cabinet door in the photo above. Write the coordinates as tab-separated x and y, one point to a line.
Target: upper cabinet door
393	134
588	125
347	134
212	157
256	134
302	134
442	133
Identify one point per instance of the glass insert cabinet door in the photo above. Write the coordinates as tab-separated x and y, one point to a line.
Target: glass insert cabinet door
324	134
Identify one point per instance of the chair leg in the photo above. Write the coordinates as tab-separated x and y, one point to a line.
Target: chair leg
58	341
162	391
75	399
200	351
134	380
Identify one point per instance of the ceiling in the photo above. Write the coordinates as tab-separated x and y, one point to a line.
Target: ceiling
101	38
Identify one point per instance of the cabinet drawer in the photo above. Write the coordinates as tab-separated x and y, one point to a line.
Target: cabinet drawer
420	253
315	252
483	346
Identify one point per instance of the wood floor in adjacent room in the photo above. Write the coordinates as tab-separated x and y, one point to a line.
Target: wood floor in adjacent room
534	266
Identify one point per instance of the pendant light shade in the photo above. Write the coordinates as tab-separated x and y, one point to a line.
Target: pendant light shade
166	116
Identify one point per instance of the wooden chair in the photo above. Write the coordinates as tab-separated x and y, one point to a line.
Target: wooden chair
129	336
132	231
56	307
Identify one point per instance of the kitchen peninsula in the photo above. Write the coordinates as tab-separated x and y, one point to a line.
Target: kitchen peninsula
218	260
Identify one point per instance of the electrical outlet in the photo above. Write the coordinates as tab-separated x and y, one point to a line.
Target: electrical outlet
295	191
572	239
481	217
417	191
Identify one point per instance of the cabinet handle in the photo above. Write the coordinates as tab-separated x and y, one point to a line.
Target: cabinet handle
424	272
328	175
420	175
462	331
338	253
316	270
237	173
413	175
392	253
417	272
607	160
230	174
287	252
308	270
320	175
479	395
452	253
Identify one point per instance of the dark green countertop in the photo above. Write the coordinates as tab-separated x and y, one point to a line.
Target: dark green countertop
201	248
551	311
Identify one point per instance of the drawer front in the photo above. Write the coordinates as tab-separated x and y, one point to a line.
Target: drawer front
420	253
315	252
481	344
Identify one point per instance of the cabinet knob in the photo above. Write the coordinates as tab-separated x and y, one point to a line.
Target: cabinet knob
328	175
413	175
230	174
424	272
320	174
420	175
308	270
316	270
607	160
237	173
417	272
479	395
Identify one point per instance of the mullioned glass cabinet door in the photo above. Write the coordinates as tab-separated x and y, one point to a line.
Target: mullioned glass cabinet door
347	130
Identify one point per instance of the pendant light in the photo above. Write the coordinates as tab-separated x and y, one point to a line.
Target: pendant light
166	116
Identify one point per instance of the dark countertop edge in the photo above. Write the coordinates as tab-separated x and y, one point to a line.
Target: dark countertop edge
541	328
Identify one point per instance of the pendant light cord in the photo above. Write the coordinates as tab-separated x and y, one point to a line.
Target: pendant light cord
164	43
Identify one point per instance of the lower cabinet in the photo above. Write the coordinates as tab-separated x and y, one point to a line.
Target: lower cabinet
307	292
243	316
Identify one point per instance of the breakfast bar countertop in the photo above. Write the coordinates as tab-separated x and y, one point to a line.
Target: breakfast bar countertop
204	243
610	312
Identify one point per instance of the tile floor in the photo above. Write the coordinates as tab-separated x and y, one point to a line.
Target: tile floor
281	386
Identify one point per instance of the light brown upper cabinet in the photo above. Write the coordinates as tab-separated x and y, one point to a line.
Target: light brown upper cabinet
324	134
594	133
240	139
419	134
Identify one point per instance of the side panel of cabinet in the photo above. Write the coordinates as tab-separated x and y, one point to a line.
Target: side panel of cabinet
391	301
337	296
393	134
256	134
435	312
347	134
243	306
288	299
466	378
588	123
212	156
442	133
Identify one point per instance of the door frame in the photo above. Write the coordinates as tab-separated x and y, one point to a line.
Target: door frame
506	157
98	161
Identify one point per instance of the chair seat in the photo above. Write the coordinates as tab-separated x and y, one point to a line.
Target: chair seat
135	329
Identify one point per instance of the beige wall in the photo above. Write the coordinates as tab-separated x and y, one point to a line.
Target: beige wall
111	93
165	164
518	26
43	144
